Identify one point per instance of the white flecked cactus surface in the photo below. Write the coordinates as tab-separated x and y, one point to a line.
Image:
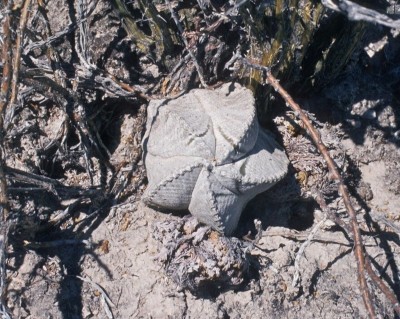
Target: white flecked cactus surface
204	151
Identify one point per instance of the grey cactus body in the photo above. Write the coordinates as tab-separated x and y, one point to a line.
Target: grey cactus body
205	152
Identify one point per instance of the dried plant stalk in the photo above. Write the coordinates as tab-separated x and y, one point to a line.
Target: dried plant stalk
4	100
363	265
8	96
178	25
18	51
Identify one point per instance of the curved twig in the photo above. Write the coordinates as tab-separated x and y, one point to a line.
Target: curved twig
359	249
363	264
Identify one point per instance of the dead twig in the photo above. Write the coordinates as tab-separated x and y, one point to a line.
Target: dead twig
258	225
18	50
363	264
4	230
310	237
4	101
48	184
4	204
377	217
81	48
259	234
302	236
181	31
7	68
357	12
359	249
319	198
110	84
105	300
43	44
380	284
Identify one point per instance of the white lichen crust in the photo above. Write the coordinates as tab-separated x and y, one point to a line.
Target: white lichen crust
205	152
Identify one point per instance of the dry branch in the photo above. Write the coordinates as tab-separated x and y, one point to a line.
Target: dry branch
4	204
360	254
319	198
313	232
381	285
4	229
178	25
105	300
357	12
7	66
18	51
363	265
378	218
303	236
48	184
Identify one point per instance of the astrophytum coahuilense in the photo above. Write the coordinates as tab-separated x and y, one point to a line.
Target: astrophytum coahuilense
204	151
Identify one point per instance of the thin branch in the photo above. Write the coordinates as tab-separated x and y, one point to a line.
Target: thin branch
18	51
319	198
302	236
4	230
359	250
82	37
4	203
302	248
384	220
334	176
380	284
360	254
48	184
356	12
363	263
44	44
105	300
7	66
181	31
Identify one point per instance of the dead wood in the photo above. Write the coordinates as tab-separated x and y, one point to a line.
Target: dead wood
363	263
4	203
355	11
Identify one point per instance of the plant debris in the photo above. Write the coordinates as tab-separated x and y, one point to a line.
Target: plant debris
201	259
